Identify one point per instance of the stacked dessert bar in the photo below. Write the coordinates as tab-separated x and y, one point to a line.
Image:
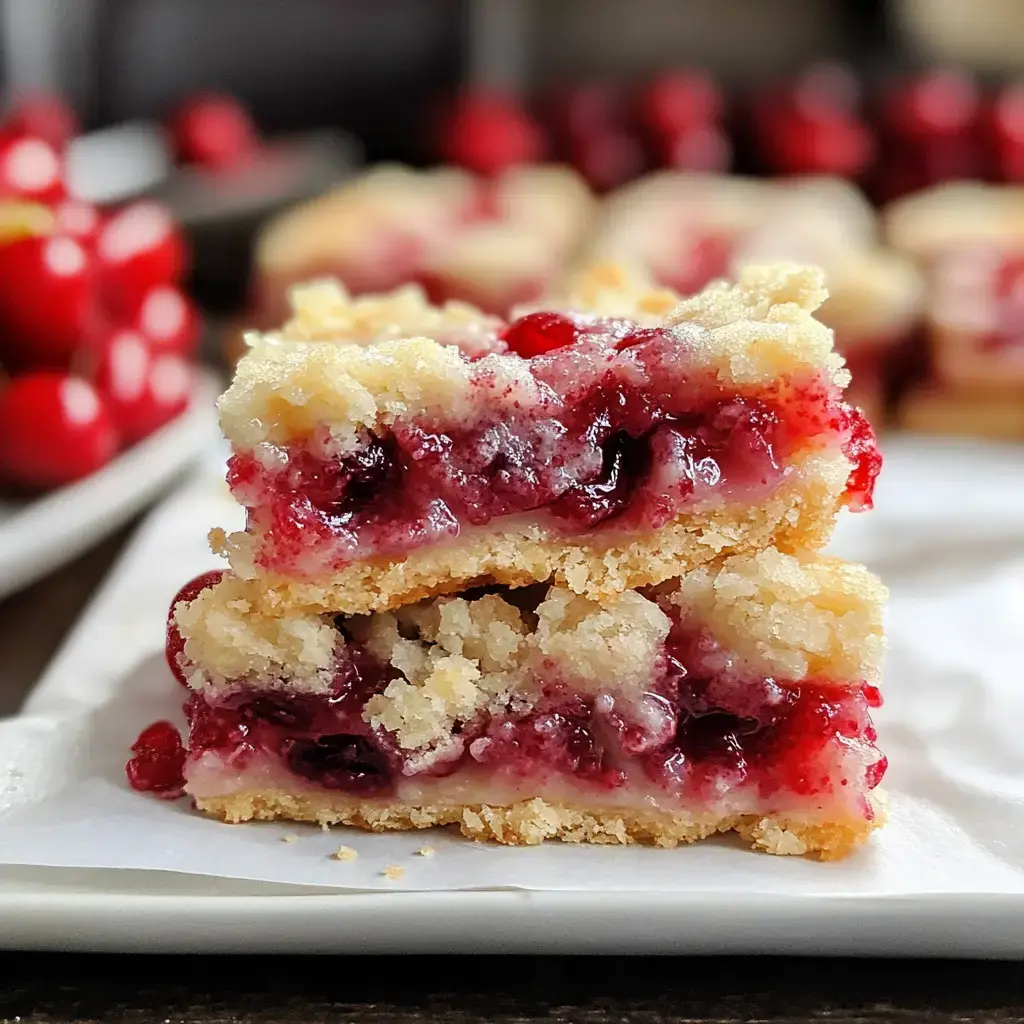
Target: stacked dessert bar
553	578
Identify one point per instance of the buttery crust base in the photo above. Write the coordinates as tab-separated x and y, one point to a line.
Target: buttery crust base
799	515
530	822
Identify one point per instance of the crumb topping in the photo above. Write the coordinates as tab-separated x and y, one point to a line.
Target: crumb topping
750	333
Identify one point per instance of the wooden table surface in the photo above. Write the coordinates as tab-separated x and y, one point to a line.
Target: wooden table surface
615	990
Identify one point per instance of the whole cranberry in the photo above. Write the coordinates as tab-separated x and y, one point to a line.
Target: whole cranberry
139	247
677	101
585	109
54	429
940	102
608	159
213	131
537	333
48	301
704	147
30	168
142	388
168	320
45	116
79	220
842	145
488	133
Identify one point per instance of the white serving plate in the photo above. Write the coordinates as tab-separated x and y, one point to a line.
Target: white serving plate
952	871
40	535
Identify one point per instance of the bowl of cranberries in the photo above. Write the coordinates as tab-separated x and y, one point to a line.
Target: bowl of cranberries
101	401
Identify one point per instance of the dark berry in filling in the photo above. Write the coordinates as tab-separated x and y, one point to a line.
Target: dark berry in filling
354	764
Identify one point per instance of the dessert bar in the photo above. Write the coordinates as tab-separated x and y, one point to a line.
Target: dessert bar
735	697
599	452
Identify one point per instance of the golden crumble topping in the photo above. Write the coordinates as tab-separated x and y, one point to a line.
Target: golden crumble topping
749	333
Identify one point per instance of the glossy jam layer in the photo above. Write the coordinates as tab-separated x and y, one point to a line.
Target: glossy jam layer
625	439
701	731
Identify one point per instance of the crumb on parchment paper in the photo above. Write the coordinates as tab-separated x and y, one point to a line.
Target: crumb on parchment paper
393	872
289	837
425	851
345	853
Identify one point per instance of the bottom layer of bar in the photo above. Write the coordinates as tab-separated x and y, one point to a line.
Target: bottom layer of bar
530	822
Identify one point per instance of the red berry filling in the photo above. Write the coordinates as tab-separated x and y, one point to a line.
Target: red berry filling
620	435
158	762
704	728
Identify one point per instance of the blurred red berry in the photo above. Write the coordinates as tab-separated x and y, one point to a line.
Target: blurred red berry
44	116
168	320
941	102
608	159
139	247
582	110
213	131
488	134
78	220
142	387
30	168
701	148
54	429
48	302
677	101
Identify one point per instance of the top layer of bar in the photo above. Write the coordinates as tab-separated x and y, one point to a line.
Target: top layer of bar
628	442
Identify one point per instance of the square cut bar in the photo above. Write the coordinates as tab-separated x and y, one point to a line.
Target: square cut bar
736	697
602	453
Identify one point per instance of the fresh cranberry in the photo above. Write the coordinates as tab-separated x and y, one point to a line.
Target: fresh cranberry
44	116
941	102
586	109
79	220
679	101
213	131
159	762
537	333
489	133
607	158
139	247
700	148
839	145
168	321
351	763
862	450
48	301
30	168
54	429
825	90
143	388
175	642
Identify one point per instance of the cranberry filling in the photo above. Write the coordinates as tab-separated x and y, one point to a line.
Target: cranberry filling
702	729
620	433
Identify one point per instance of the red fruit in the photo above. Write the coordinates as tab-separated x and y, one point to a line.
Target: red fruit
175	642
679	100
701	148
168	321
586	109
45	116
488	134
842	146
937	103
47	301
139	247
54	429
608	159
537	333
29	169
158	763
79	220
824	91
213	131
143	388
